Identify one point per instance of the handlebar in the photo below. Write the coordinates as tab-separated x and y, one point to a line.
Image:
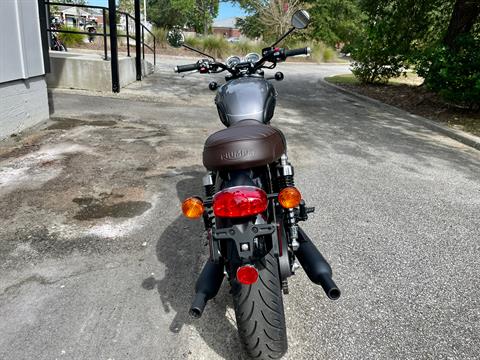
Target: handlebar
184	68
295	52
273	55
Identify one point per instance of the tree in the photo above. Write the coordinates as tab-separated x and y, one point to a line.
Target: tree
126	6
198	14
206	11
440	38
465	14
332	21
394	33
251	26
268	18
167	13
335	21
276	15
451	66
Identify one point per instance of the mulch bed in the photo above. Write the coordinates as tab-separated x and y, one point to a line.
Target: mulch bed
419	101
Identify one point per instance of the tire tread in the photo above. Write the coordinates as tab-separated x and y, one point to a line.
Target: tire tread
260	314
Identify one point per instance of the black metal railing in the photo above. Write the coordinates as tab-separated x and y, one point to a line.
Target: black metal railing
138	35
143	42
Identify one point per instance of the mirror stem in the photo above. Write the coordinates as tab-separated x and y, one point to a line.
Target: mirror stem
283	36
198	51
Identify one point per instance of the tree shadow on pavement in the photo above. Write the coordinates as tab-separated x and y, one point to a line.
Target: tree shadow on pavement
181	249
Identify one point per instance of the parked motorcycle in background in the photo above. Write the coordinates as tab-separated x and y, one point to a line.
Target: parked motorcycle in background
91	28
252	209
55	43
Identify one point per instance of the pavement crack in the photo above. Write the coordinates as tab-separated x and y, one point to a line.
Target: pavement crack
41	280
31	279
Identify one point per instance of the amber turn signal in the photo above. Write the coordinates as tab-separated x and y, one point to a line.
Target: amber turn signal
289	197
192	208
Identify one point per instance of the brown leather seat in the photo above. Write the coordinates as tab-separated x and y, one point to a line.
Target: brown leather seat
243	145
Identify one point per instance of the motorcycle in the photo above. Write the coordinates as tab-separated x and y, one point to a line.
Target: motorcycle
55	43
91	28
252	209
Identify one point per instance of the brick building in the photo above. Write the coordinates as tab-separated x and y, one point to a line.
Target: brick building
227	28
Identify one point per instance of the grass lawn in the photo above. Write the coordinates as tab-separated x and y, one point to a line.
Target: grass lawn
406	93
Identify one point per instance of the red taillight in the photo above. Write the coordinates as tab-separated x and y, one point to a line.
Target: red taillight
239	201
247	275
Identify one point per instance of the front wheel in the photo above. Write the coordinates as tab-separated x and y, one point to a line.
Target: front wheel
259	312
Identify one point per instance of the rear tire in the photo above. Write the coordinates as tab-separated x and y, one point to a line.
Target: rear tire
259	312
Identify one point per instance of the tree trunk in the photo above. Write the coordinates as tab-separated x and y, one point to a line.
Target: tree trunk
465	13
205	25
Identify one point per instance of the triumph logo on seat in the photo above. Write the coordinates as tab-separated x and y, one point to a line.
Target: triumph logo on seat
234	155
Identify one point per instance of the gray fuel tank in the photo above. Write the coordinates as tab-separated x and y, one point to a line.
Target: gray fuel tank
246	98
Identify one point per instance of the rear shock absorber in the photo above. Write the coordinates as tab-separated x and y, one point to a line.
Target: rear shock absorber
209	217
284	173
285	179
209	184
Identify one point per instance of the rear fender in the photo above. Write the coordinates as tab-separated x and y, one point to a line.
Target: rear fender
242	233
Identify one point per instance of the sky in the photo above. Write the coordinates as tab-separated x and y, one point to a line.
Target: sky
227	10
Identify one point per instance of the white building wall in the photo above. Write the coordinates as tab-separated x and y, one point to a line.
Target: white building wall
23	92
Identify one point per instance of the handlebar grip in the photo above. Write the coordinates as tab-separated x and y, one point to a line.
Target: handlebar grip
294	52
183	68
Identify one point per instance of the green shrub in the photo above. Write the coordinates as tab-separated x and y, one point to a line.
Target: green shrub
455	75
194	42
160	34
216	46
329	54
319	51
220	48
374	63
318	48
70	39
122	39
243	47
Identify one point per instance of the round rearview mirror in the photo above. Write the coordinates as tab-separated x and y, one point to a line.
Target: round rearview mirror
175	37
300	19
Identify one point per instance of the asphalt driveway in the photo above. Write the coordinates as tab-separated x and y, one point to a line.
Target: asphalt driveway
97	263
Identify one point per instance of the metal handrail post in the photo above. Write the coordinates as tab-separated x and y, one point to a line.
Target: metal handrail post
42	12
128	36
154	52
48	16
138	60
113	45
143	42
105	50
